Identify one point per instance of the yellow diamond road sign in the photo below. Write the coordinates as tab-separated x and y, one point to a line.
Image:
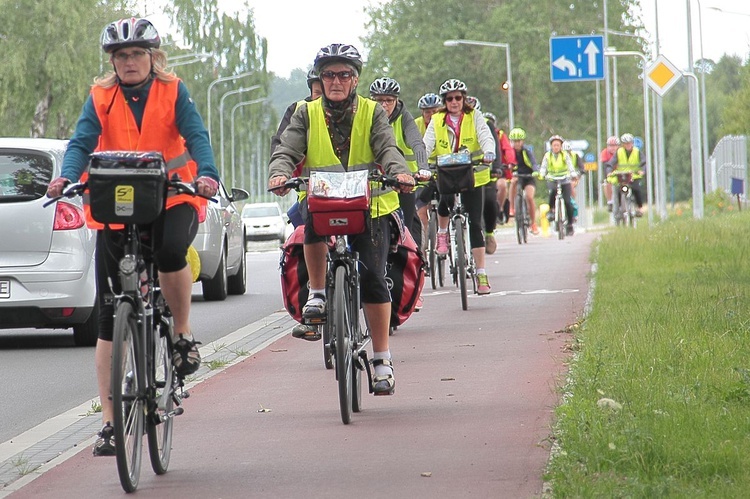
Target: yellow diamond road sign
661	75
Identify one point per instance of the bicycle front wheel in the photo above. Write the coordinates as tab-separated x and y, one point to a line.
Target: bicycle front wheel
161	417
432	253
520	219
559	218
341	326
127	396
461	262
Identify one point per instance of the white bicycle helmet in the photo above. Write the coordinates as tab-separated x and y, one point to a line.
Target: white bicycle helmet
627	138
556	137
129	32
613	141
338	52
429	101
385	86
452	85
474	102
490	117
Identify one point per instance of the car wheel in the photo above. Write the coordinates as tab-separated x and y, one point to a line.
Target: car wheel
215	289
237	283
86	334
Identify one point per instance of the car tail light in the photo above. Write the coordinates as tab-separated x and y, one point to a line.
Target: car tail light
68	217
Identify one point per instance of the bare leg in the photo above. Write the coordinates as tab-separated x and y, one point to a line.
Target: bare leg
379	320
315	258
177	290
103	363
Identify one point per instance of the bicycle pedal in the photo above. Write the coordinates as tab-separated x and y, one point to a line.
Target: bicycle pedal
314	321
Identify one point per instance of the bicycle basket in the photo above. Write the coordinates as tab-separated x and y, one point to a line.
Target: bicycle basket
455	173
339	202
126	187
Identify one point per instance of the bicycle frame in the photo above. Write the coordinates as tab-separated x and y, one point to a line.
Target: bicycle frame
623	202
461	258
523	221
561	214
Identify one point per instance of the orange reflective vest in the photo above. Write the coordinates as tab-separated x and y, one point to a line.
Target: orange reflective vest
158	133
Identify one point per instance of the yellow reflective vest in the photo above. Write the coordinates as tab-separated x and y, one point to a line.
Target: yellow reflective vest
321	156
467	139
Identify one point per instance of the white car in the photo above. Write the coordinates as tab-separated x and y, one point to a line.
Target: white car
47	276
220	243
264	221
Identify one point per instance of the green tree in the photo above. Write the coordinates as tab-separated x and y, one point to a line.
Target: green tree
49	53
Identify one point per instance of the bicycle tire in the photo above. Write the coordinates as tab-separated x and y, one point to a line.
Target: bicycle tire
441	270
526	222
431	251
160	425
356	371
520	218
341	325
327	350
461	263
127	396
559	219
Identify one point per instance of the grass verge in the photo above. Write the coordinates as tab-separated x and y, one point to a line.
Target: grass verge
657	403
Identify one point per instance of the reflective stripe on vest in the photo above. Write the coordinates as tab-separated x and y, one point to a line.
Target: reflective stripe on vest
468	139
321	156
409	156
158	133
628	163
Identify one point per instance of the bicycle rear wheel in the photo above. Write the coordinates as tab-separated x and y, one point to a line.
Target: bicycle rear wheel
431	253
161	418
461	262
127	396
356	363
341	325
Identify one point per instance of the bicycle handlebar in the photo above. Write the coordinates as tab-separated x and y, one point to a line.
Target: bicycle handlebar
296	183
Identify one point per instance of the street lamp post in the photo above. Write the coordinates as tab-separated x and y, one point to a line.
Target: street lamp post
208	96
231	127
221	118
455	43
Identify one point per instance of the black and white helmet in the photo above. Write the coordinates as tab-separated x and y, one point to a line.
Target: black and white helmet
385	86
129	32
491	117
429	101
474	102
312	77
338	52
452	85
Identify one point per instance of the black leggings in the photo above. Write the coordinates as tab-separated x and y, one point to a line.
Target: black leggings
473	202
490	207
408	204
172	234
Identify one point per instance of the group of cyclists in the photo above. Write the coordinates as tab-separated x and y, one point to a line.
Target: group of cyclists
142	106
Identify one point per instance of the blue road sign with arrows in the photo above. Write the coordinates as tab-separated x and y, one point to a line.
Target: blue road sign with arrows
576	58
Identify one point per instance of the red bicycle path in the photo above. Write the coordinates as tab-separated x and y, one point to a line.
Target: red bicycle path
471	416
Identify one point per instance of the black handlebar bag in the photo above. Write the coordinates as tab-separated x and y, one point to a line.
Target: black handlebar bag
455	173
126	187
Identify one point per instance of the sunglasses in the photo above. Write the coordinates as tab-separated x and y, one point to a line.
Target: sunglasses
330	76
451	98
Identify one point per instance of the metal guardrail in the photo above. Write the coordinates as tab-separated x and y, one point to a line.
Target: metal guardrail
728	161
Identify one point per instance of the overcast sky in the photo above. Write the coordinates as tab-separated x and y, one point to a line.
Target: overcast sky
296	29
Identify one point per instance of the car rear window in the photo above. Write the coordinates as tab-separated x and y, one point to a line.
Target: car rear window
24	175
260	211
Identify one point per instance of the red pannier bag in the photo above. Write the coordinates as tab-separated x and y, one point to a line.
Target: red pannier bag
294	276
339	202
405	276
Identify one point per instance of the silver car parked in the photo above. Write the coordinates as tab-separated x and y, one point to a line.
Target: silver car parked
220	243
47	277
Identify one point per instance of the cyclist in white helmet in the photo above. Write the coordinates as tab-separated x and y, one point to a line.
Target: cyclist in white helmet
629	158
428	105
559	164
459	125
605	155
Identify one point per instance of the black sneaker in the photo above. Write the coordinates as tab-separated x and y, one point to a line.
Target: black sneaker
105	444
569	231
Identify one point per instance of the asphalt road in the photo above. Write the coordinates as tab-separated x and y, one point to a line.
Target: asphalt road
475	394
44	374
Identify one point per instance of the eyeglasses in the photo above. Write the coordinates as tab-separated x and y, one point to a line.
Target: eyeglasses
385	100
330	76
136	55
451	98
